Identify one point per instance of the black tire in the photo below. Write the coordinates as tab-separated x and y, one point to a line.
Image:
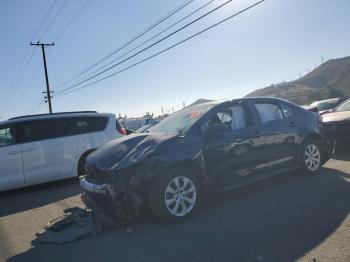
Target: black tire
311	157
158	195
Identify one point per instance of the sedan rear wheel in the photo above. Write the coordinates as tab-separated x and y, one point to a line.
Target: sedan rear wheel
311	157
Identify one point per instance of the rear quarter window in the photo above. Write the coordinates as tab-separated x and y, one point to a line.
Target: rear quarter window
90	124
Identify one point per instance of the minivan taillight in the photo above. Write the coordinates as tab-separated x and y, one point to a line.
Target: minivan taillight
122	131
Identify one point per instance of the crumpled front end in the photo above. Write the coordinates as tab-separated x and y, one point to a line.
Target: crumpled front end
115	195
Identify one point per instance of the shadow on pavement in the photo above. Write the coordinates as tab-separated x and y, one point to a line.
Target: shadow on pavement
279	219
37	196
343	155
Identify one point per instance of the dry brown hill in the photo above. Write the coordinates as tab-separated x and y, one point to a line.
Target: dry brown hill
331	79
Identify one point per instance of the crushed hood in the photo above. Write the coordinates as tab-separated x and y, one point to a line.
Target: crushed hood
336	116
126	151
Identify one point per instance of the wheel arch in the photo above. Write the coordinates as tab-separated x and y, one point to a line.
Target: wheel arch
81	165
189	165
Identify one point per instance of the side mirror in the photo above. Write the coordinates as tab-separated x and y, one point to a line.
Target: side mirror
218	128
313	109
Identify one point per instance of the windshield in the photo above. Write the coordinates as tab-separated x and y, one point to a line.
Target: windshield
180	121
325	105
344	107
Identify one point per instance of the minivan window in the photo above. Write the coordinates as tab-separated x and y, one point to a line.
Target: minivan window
46	129
7	135
269	112
91	124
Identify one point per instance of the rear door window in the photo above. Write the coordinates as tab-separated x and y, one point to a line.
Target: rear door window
269	112
46	129
287	110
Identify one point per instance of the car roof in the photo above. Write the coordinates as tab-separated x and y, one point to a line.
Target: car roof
215	103
53	116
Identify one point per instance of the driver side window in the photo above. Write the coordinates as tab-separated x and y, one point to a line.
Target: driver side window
233	117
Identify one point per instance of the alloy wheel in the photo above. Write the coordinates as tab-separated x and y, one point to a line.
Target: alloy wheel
312	157
180	196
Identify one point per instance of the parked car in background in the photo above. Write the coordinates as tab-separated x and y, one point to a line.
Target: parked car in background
327	105
132	124
337	125
215	145
42	148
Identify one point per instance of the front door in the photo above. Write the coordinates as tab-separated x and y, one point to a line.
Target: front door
11	168
235	150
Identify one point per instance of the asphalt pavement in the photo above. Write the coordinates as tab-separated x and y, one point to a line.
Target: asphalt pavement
285	218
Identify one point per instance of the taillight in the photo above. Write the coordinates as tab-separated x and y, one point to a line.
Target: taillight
122	131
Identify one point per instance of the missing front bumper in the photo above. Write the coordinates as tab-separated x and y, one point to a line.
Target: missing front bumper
118	201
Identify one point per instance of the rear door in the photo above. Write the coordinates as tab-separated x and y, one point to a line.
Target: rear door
49	149
236	156
280	127
11	169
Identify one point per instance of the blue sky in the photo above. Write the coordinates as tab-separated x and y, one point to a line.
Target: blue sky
274	42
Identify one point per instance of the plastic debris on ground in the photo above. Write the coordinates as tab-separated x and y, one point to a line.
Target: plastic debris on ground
75	224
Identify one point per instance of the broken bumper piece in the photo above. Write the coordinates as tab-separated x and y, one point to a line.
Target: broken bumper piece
94	188
119	200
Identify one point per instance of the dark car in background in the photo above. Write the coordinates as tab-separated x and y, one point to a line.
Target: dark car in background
327	105
337	125
205	148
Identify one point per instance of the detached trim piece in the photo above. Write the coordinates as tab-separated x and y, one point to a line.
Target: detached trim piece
94	188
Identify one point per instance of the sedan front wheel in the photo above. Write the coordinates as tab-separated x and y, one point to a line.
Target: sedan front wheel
175	196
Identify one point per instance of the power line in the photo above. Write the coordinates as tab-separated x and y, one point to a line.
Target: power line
148	40
32	107
177	9
166	49
44	19
20	73
149	46
37	107
72	20
54	19
14	92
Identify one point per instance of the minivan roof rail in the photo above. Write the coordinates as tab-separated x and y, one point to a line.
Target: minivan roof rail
60	113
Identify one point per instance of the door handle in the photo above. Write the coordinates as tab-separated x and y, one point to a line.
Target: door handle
256	134
13	153
292	124
28	150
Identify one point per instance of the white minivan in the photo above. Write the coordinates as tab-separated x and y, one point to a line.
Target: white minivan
42	148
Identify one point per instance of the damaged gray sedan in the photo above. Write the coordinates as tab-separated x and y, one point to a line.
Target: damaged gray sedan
205	148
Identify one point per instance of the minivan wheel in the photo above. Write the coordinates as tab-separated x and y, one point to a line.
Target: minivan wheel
175	196
311	158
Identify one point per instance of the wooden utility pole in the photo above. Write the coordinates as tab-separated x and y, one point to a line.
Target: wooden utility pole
48	92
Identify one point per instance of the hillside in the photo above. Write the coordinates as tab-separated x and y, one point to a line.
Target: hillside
331	79
199	101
